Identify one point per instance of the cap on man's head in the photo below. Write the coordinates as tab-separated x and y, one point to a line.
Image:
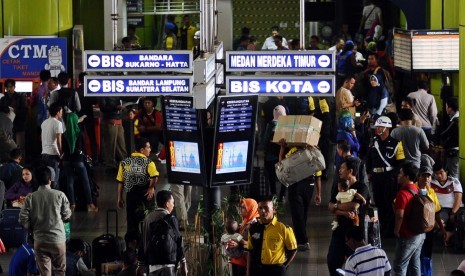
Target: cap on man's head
349	42
383	121
425	170
170	26
197	35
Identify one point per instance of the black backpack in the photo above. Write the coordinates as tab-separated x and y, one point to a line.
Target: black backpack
66	98
163	243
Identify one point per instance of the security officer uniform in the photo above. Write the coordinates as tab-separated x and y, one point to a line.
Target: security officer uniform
383	160
267	245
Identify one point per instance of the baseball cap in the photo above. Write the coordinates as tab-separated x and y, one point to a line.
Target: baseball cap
170	26
349	42
426	169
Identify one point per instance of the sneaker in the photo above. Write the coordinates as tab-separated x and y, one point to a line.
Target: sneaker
303	247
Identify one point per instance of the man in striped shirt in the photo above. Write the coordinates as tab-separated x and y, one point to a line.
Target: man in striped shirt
367	259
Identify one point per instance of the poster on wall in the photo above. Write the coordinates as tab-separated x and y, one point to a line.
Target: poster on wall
25	57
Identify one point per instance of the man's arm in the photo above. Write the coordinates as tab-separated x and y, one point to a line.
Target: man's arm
60	149
318	190
65	210
290	255
24	218
120	196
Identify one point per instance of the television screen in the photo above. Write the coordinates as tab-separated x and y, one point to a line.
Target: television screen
24	86
232	157
184	157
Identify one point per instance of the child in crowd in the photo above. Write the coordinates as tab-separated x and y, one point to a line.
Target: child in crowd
231	234
347	195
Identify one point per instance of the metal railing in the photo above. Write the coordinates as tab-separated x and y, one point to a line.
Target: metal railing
170	7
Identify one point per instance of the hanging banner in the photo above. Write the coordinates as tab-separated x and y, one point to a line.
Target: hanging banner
279	85
26	57
138	61
279	61
102	86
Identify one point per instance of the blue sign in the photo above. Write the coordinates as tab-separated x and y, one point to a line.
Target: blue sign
24	58
139	61
292	61
281	85
102	86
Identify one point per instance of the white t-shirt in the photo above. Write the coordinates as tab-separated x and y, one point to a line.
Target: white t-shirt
50	128
270	45
370	17
446	192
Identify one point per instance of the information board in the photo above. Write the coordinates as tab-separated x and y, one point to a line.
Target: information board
185	160
234	140
427	50
102	86
138	61
323	85
281	61
24	58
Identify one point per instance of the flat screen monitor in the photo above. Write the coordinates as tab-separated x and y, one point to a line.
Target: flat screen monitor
234	138
24	86
185	161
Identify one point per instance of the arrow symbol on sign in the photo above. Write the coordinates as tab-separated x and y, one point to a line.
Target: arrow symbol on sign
93	61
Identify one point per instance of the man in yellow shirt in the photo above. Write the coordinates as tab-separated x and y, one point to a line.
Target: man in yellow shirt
138	175
271	244
186	34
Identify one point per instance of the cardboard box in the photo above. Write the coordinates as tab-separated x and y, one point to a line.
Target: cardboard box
298	130
111	268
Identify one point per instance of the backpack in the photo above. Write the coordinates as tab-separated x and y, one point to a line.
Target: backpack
66	98
422	214
163	243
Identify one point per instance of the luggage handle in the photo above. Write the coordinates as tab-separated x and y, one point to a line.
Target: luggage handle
116	219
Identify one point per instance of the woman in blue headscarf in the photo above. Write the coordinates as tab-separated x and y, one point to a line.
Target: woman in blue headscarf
346	131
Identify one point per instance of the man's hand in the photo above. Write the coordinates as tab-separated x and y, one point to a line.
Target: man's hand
317	200
150	193
121	203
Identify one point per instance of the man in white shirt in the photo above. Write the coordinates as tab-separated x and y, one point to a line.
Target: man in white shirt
269	41
424	105
52	129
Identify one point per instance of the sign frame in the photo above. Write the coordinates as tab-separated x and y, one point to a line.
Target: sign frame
330	78
88	54
291	53
89	78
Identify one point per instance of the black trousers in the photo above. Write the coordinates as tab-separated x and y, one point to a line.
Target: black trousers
384	191
268	270
89	124
238	270
136	203
300	196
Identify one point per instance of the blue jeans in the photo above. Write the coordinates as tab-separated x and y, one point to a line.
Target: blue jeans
77	168
407	256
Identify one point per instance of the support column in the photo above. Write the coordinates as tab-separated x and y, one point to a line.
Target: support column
462	90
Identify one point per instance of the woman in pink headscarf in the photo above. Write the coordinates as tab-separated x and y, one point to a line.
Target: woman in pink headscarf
249	214
272	151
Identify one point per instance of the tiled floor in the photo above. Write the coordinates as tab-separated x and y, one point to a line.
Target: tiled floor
89	225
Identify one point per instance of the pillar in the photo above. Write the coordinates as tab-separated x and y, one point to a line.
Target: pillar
461	11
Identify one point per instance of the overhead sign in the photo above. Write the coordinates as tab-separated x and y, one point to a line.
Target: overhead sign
293	61
278	85
102	86
26	57
139	61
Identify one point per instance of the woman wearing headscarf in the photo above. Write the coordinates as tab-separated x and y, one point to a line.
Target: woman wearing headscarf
378	96
249	214
346	131
272	151
73	162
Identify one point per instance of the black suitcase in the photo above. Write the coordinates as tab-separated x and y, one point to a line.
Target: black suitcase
107	247
372	232
12	233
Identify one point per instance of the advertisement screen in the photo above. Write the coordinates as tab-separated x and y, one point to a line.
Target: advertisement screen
233	142
184	157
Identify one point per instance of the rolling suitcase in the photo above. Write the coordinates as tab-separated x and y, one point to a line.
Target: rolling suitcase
12	233
107	247
300	165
